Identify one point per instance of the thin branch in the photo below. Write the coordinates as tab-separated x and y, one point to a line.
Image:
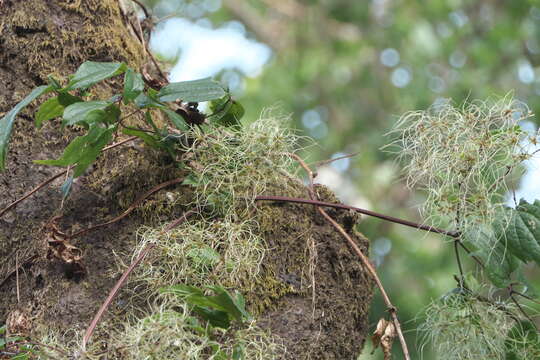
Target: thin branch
453	234
141	5
123	278
525	296
36	189
365	261
132	207
391	308
520	308
458	260
328	161
56	176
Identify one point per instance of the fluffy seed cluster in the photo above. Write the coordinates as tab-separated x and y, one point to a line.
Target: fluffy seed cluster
462	157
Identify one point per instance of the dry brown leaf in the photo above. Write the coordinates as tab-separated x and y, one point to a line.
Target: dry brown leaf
383	336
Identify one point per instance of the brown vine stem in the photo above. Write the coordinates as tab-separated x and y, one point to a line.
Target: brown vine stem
365	261
132	207
453	234
54	177
123	278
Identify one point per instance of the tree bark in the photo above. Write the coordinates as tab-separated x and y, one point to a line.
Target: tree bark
39	293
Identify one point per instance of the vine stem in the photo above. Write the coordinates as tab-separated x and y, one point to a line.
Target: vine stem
123	278
364	259
56	176
453	234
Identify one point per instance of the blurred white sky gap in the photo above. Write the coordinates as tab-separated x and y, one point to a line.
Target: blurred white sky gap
205	51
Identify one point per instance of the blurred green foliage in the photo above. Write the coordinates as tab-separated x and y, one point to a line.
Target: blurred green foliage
345	70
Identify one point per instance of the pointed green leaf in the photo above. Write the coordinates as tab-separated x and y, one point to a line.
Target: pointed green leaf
92	151
144	101
146	137
77	112
192	91
50	109
6	122
92	72
83	150
54	107
176	119
133	85
216	318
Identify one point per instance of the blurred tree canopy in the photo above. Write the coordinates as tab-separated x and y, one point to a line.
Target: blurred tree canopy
345	70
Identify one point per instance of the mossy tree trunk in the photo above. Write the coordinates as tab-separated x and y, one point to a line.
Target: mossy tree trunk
40	38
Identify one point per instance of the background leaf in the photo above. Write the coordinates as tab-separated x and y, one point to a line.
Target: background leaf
192	91
6	123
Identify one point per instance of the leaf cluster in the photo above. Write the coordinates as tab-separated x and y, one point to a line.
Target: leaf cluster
102	119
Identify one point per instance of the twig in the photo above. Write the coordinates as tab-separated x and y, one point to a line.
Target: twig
328	161
391	308
365	261
520	308
124	277
458	260
17	276
17	267
132	207
37	188
512	291
453	234
141	5
56	176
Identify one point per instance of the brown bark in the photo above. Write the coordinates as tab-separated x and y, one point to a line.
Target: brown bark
40	38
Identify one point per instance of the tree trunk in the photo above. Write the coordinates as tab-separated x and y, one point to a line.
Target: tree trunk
41	293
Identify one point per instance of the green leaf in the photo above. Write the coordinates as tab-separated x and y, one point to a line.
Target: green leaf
54	107
77	112
133	85
92	151
66	187
176	119
192	91
48	110
521	229
226	112
146	137
499	263
216	318
233	116
144	101
6	123
92	72
83	150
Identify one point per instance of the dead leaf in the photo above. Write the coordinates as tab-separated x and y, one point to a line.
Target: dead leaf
384	337
59	247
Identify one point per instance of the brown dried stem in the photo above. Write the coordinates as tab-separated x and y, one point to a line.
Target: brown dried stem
123	278
56	176
365	260
132	207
